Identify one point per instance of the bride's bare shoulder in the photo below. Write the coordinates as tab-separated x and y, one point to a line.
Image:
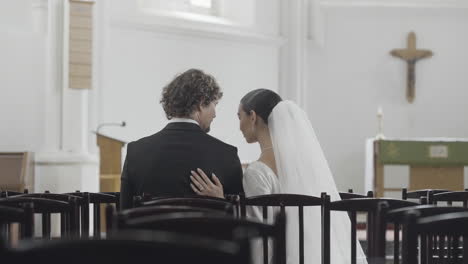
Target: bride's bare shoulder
270	163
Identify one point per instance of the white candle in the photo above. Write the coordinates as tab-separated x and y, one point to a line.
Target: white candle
380	122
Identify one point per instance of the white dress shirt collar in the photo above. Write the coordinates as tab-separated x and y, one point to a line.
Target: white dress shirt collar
183	120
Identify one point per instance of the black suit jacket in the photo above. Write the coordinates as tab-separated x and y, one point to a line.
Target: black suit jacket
160	164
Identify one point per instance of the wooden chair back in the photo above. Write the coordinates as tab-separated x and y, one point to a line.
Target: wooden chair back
452	226
431	245
46	207
129	247
351	195
98	199
450	197
161	209
293	200
23	216
79	206
7	193
199	202
376	209
417	194
215	226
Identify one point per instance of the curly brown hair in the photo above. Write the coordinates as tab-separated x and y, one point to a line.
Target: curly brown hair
187	91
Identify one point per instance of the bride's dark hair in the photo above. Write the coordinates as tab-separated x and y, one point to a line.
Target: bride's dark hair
262	101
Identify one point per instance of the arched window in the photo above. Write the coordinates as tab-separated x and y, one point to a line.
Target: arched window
201	7
235	17
208	7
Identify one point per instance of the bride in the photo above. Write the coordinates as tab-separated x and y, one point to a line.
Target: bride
291	161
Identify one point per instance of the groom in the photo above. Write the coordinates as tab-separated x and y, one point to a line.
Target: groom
160	164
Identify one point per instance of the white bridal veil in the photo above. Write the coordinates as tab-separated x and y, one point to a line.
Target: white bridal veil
303	169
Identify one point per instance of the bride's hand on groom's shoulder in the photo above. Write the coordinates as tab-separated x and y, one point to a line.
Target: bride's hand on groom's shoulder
202	185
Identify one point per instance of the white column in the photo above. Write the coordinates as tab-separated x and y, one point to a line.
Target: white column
39	16
101	35
293	53
65	163
302	26
316	23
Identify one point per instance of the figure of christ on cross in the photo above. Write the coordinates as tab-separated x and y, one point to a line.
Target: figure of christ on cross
411	55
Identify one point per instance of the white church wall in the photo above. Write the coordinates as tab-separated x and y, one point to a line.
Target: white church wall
22	78
349	70
143	55
351	73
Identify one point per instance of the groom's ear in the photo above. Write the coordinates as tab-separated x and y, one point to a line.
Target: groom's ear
199	106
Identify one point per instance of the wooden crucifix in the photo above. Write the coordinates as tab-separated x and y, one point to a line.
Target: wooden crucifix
411	55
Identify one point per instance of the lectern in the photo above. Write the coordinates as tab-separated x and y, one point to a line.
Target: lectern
110	156
110	163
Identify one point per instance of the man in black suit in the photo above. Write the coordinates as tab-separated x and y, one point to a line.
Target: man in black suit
161	164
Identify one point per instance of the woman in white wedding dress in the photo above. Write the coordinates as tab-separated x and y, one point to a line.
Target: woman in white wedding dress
291	161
